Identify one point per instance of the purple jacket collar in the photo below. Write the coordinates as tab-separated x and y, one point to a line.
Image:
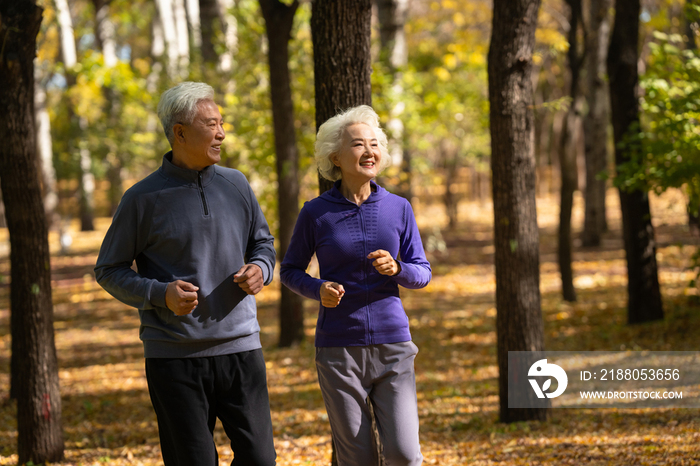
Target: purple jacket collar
334	194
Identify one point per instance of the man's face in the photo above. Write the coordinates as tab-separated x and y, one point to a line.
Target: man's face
201	140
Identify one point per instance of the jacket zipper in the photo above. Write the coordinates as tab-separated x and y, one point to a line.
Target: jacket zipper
369	314
201	194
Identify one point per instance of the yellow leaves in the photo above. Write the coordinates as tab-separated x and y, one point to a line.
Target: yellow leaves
450	61
442	73
458	19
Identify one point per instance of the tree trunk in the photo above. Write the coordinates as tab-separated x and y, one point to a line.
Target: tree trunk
279	19
105	32
450	164
644	302
519	325
170	34
208	19
45	150
227	61
39	436
341	33
596	122
567	156
86	185
394	53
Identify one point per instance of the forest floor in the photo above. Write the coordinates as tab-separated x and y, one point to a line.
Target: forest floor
107	414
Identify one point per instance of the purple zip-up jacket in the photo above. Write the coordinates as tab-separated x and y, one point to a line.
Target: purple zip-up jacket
342	234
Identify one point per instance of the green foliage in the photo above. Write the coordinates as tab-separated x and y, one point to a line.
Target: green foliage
667	146
669	139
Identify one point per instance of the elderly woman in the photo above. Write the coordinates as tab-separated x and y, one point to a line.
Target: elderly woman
367	244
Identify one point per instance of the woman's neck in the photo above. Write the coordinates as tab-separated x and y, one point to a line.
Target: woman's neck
354	191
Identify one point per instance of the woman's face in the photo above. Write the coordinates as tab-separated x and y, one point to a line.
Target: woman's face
359	156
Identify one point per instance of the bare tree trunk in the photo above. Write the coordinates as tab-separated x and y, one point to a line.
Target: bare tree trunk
39	436
519	325
567	156
596	121
173	24
279	19
392	18
227	61
44	149
450	164
86	184
341	34
209	23
644	295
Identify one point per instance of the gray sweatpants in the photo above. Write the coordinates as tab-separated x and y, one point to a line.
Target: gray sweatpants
384	373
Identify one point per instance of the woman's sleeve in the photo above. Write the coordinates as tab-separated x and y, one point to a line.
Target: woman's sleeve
415	268
301	248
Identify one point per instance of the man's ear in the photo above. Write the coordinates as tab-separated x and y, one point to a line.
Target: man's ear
179	132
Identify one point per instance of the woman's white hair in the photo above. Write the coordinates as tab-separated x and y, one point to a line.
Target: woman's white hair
330	138
179	105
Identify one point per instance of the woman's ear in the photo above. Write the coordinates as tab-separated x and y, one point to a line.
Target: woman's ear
335	159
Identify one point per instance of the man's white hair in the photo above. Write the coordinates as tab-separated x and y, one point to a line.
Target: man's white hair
179	105
330	138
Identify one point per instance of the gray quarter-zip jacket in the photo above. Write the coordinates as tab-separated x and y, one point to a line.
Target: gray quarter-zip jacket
200	227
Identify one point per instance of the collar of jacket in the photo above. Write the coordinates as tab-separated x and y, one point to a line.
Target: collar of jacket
185	175
334	194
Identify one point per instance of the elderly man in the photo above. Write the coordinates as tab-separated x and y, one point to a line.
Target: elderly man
203	249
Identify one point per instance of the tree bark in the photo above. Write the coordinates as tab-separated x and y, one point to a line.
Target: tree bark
341	32
596	122
519	325
644	295
39	436
279	19
209	17
567	155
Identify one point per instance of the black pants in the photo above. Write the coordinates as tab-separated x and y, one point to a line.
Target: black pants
188	394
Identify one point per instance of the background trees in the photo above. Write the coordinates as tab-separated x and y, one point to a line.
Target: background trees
101	65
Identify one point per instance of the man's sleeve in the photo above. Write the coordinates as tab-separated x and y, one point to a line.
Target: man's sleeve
124	240
261	244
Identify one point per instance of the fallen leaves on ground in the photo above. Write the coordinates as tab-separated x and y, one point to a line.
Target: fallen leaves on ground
108	419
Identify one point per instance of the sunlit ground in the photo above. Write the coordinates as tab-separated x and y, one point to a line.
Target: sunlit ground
108	419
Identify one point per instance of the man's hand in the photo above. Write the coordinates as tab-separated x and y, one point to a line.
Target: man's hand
250	278
331	294
181	297
384	263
